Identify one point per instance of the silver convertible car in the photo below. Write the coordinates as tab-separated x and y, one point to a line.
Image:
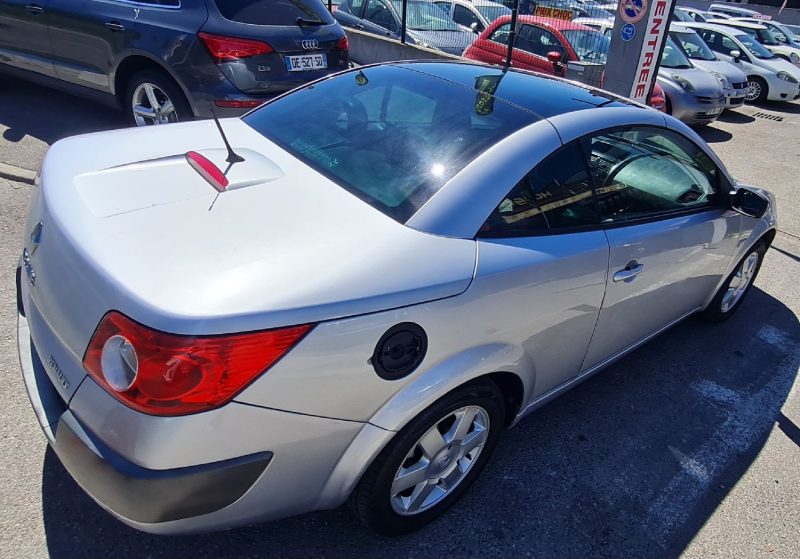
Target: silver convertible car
386	269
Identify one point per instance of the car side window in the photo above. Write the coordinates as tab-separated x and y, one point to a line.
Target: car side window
642	172
354	6
465	17
538	41
379	13
555	195
501	34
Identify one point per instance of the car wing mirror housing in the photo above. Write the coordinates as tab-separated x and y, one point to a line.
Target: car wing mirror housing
749	202
736	55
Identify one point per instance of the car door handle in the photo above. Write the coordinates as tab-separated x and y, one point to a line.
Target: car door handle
34	9
359	26
629	272
114	26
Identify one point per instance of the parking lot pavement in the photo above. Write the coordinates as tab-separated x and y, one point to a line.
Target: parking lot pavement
690	445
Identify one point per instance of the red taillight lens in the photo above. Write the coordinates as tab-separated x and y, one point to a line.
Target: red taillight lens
238	103
343	43
206	169
172	374
232	48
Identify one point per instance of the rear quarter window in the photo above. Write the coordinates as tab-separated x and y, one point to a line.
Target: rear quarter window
274	12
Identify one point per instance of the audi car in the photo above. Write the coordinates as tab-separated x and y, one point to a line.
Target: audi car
164	61
351	292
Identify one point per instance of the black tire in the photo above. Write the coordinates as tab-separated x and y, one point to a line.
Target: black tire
763	89
372	499
166	85
715	312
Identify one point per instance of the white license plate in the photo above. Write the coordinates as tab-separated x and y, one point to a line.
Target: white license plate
305	62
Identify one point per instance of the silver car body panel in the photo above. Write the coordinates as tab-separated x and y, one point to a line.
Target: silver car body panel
487	305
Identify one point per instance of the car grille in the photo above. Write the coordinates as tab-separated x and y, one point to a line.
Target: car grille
704	116
740	85
710	100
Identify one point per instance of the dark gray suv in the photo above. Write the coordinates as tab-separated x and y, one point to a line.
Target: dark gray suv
170	60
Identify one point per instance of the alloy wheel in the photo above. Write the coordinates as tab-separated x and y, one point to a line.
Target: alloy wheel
151	105
439	460
739	282
753	91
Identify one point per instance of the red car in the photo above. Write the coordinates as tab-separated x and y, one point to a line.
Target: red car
544	44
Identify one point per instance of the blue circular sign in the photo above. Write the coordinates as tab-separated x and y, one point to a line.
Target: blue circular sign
627	32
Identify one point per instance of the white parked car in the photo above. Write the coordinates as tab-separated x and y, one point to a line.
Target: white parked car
768	77
474	15
733	11
763	35
782	32
684	13
730	77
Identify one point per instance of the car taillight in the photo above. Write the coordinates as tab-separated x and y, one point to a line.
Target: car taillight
206	169
343	43
168	374
223	48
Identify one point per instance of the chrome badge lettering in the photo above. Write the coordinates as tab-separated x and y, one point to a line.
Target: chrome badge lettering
62	379
309	44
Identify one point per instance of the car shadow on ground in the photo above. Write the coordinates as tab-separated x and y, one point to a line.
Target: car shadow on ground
28	109
790	107
735	117
630	463
713	135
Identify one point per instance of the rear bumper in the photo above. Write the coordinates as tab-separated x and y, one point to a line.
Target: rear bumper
235	465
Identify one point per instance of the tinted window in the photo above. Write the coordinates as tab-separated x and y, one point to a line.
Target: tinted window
379	13
392	136
557	194
694	46
537	41
465	17
423	16
274	12
500	35
590	46
641	172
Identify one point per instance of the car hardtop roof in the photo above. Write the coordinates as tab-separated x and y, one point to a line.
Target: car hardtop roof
680	27
738	23
715	27
543	95
588	21
551	22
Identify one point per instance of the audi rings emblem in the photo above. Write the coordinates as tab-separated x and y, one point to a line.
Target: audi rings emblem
309	44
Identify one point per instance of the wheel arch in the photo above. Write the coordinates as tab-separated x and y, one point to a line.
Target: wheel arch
136	61
372	439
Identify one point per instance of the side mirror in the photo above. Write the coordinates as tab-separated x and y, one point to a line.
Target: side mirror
474	27
750	203
554	57
736	55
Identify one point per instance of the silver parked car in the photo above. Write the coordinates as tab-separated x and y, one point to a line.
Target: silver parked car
732	80
383	271
693	94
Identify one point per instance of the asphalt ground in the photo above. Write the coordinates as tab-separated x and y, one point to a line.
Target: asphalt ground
689	446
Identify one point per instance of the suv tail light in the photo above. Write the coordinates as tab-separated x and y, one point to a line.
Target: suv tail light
343	43
167	374
232	48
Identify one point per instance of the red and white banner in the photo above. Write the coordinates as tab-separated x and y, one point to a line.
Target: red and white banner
655	35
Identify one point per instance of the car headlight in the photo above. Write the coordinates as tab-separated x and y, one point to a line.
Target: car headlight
683	82
723	81
787	77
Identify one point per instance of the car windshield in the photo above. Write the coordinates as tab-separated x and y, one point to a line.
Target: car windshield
695	47
795	29
758	50
763	36
491	13
589	45
275	12
673	56
390	135
426	16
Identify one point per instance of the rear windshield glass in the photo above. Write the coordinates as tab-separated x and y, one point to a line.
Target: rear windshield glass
275	12
390	135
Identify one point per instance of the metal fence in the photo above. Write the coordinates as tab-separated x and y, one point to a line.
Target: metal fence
542	35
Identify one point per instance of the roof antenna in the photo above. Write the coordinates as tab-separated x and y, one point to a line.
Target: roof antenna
233	157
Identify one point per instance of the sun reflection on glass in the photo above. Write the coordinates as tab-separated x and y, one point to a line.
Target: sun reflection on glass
437	170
